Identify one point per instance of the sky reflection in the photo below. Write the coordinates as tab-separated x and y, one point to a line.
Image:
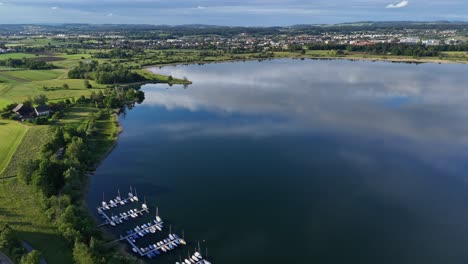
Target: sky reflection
424	103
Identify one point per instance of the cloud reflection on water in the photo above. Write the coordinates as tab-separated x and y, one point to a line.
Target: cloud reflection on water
350	97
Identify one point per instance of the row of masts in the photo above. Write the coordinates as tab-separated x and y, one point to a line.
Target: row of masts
172	242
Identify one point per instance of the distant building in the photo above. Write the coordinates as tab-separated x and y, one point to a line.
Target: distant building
23	111
431	42
42	110
410	40
362	43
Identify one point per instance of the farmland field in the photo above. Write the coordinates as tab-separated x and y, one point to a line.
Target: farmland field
37	75
28	149
16	56
11	134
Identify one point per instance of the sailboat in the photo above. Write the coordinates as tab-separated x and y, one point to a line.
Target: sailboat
170	233
158	219
130	194
182	240
122	202
135	197
104	204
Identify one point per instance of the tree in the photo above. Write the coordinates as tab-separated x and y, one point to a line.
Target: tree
40	99
26	169
87	84
34	257
76	149
65	86
49	177
82	254
9	242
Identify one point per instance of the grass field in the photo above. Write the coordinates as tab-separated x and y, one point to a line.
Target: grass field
16	56
29	148
22	212
11	134
4	102
38	75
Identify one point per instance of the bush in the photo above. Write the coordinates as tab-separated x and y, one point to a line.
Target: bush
34	257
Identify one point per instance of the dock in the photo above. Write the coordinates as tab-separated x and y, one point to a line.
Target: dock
117	201
116	220
168	244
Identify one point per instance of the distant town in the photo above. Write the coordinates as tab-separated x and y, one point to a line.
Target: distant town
235	40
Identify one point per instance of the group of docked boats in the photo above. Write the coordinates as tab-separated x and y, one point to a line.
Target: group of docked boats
196	258
125	216
165	245
115	220
141	231
118	201
152	250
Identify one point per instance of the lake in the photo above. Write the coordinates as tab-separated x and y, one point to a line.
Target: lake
302	161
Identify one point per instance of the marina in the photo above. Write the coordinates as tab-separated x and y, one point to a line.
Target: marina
151	250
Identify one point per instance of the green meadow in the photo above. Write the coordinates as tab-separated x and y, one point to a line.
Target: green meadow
11	135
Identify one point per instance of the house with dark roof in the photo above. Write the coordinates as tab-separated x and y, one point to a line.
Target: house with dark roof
42	110
23	111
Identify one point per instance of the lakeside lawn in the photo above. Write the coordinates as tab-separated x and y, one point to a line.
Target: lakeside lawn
11	134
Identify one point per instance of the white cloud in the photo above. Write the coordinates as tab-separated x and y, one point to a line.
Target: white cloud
1	3
399	5
110	14
55	8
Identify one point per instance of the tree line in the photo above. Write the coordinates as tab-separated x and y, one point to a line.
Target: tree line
57	177
27	63
398	49
104	73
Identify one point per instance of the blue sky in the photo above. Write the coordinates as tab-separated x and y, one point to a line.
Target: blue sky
228	12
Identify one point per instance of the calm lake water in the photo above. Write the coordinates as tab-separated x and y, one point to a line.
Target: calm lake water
303	161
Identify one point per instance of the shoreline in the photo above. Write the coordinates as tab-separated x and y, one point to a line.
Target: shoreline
149	67
399	59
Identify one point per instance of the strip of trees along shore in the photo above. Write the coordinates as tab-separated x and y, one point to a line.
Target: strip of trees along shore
58	178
